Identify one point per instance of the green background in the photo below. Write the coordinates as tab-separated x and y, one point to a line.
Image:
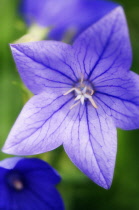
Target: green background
77	190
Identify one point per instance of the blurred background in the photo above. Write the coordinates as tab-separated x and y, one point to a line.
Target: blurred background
77	190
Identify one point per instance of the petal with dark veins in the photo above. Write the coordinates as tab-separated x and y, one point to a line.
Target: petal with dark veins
41	125
45	64
118	96
93	145
105	46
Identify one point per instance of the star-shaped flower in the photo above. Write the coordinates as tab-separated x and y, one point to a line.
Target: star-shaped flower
66	18
82	93
28	184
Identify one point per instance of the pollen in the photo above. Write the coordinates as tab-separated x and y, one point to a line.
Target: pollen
82	93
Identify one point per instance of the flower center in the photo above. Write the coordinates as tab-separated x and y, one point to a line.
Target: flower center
15	180
82	91
18	185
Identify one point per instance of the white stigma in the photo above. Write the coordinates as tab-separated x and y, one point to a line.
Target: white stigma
18	185
82	93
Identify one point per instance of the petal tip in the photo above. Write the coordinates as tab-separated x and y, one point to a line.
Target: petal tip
106	184
6	150
9	149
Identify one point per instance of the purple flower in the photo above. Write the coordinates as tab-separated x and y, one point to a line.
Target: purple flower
28	184
82	93
70	16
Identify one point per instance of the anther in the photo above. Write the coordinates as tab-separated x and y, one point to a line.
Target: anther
82	92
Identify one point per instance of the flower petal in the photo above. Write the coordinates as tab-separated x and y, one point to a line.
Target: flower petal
105	46
88	12
40	180
48	194
119	97
41	125
44	64
35	168
38	192
9	163
33	198
4	194
92	145
62	15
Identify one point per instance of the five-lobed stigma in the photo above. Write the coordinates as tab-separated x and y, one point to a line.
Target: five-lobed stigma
82	92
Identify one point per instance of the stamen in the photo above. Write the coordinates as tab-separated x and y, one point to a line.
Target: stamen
77	91
93	102
74	105
83	92
69	91
92	91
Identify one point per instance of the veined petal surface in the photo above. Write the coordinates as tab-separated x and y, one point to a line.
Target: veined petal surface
118	95
45	64
41	124
104	47
92	145
104	55
95	69
89	138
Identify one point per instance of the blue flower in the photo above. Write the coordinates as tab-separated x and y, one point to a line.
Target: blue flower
28	184
82	93
66	17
